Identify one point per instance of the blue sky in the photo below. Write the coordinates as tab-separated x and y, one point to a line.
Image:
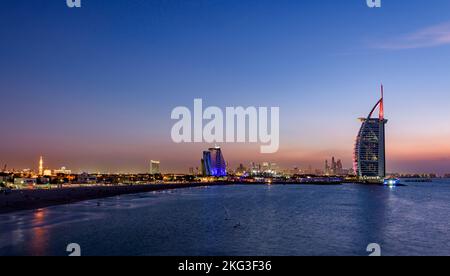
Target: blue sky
93	88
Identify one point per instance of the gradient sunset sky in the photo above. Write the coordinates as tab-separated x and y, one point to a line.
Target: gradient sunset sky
93	88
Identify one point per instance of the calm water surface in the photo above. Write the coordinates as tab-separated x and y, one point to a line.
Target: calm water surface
242	220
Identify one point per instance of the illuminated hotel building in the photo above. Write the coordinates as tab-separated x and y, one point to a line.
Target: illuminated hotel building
213	163
370	150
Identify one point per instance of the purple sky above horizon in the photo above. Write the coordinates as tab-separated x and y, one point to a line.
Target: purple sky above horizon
93	88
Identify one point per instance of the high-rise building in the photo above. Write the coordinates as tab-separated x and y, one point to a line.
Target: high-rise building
41	166
327	168
206	164
213	163
339	168
155	167
274	167
370	151
333	165
241	169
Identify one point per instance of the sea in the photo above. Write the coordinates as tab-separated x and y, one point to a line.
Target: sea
241	220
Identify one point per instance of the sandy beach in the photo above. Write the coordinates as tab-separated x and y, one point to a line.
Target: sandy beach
17	200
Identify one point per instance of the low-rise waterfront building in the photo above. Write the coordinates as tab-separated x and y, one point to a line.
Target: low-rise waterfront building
25	181
63	170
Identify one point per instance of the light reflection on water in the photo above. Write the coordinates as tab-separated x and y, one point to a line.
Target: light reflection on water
241	220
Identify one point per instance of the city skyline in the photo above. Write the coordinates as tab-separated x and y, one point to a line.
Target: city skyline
332	166
97	91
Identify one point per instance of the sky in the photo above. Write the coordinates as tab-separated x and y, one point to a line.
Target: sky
93	88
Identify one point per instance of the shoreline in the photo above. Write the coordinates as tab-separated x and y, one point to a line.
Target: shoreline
22	200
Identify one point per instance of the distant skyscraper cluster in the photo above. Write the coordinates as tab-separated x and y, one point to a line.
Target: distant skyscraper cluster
268	168
213	163
335	168
370	150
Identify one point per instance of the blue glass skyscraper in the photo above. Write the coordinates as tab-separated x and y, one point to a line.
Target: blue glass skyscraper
213	163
